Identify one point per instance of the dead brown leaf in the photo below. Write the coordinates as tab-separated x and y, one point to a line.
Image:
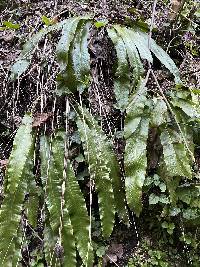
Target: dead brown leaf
41	118
3	163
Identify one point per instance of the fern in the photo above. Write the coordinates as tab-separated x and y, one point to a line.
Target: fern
81	57
18	171
68	240
79	217
54	182
68	33
176	156
159	112
72	220
122	80
32	204
24	60
99	168
73	56
133	56
182	99
164	58
136	134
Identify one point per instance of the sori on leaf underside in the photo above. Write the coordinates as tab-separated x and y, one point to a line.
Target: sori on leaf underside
68	225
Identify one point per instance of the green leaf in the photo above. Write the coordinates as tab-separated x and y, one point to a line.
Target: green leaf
45	155
81	57
175	154
68	240
21	148
135	164
32	204
153	199
46	21
52	166
100	23
24	60
19	168
133	56
135	109
122	80
140	43
136	134
11	25
79	217
55	179
112	164
159	114
188	106
63	46
164	58
98	158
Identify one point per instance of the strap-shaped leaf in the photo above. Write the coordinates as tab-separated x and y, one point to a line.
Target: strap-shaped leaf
122	80
115	175
81	57
21	148
50	240
24	60
79	217
176	156
162	56
139	42
32	204
68	33
135	109
136	134
97	156
10	216
68	240
118	188
52	166
11	208
183	100
74	61
54	182
133	56
159	113
135	163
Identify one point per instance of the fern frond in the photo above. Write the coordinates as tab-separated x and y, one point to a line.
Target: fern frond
95	145
54	182
132	52
68	33
24	60
81	57
78	216
122	80
164	58
135	161
74	64
32	204
21	147
20	166
141	45
159	113
176	157
135	109
183	99
68	240
52	166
